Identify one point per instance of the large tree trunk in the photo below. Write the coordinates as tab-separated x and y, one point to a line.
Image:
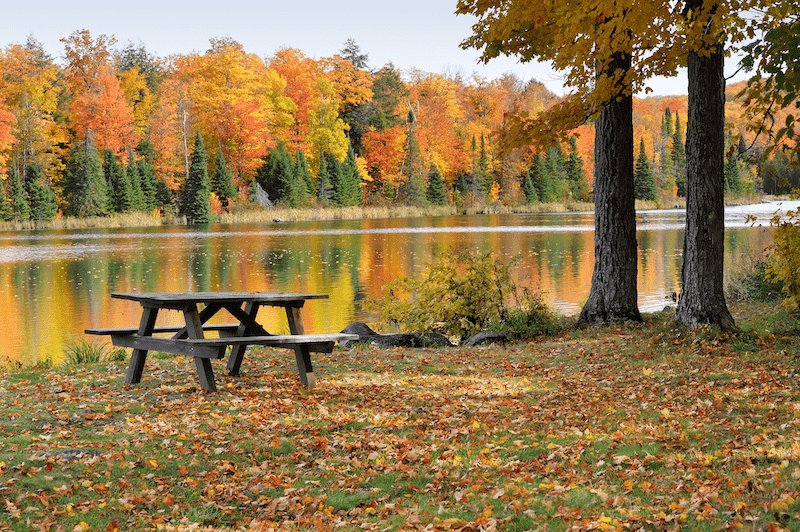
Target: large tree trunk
613	295
702	299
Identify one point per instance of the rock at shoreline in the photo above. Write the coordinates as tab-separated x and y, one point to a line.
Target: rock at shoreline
367	336
486	337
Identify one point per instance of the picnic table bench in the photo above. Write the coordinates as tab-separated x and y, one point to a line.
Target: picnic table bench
190	339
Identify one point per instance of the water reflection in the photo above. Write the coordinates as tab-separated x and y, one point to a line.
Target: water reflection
58	283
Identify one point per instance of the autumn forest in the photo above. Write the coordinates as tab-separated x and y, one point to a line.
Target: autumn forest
113	128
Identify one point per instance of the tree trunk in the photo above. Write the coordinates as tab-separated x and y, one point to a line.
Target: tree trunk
702	300
613	294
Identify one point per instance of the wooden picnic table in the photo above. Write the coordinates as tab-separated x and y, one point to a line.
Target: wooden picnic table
190	338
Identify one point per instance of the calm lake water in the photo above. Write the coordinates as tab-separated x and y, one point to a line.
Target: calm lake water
57	283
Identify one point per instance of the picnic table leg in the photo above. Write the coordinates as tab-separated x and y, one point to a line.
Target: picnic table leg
194	328
237	351
302	354
138	357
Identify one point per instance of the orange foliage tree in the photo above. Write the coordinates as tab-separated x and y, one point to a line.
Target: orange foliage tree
238	103
29	84
97	98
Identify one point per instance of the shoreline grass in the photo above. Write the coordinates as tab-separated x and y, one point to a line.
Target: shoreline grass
633	426
260	215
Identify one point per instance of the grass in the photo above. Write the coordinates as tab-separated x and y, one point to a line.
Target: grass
638	426
83	352
250	214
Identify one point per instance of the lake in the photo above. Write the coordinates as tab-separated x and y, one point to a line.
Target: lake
57	283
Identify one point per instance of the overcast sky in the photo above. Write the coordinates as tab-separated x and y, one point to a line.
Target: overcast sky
421	34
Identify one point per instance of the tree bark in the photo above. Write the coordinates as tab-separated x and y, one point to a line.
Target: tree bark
613	296
702	299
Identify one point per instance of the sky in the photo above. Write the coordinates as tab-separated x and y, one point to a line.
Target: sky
412	34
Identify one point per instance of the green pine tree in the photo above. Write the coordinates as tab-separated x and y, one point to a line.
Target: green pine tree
287	183
542	179
110	169
276	177
574	167
122	198
644	182
528	188
222	181
486	178
666	124
324	180
16	195
337	178
347	190
302	175
436	191
679	157
194	202
6	213
85	185
412	186
149	182
731	170
135	180
41	198
164	197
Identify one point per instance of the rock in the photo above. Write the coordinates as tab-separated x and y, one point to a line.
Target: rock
360	328
410	340
486	337
367	336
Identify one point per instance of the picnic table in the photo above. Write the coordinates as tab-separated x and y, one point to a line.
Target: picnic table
190	339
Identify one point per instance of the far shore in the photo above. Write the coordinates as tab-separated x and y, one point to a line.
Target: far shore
258	215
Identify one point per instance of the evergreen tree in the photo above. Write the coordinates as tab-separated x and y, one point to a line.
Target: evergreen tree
575	175
194	202
436	192
666	168
733	180
276	177
486	178
347	183
222	181
147	175
666	124
110	168
528	188
413	183
164	196
335	175
149	182
557	171
41	198
679	157
731	174
542	180
644	182
324	180
16	195
85	185
122	199
302	175
463	184
6	213
134	179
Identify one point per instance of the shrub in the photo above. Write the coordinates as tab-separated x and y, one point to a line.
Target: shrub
460	295
784	266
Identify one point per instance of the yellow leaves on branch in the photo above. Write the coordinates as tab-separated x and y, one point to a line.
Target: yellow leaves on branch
580	38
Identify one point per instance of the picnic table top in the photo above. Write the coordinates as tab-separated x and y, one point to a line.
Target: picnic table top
156	298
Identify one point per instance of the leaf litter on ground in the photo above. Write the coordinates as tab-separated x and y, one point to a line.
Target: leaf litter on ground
629	427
